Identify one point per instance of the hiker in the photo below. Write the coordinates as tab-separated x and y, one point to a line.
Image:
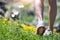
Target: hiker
39	9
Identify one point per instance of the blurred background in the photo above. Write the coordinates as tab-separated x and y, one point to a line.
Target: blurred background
25	12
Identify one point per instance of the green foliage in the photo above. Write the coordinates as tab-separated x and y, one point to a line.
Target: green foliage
16	32
13	32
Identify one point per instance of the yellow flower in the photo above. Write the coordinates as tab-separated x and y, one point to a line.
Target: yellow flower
16	23
30	28
54	31
25	28
10	22
5	19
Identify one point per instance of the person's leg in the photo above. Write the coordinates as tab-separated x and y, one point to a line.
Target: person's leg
52	13
39	8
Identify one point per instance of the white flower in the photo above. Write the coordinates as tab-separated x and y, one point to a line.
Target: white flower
13	15
17	5
15	12
21	6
